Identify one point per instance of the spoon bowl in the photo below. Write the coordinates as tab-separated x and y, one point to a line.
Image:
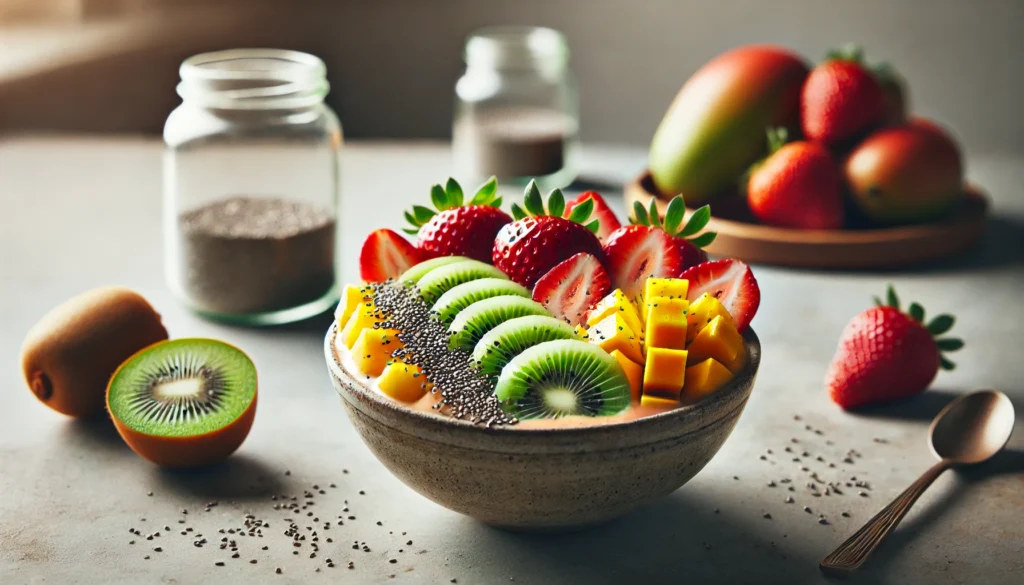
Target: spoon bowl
972	428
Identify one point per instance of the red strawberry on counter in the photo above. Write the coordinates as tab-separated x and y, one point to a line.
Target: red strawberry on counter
651	248
570	288
455	229
841	99
602	213
541	238
886	355
798	185
731	282
386	254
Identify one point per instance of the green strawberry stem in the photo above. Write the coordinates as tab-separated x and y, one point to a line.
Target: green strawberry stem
777	138
533	202
848	52
673	225
937	326
448	197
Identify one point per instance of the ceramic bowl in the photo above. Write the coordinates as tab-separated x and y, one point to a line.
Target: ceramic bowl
544	479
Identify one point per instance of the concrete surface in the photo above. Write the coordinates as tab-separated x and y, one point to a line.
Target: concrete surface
77	213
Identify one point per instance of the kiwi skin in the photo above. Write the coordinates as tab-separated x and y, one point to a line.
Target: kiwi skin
67	358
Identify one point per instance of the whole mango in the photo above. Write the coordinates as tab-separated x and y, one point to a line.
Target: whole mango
715	128
905	174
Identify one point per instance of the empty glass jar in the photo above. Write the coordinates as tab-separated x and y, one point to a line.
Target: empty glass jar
516	108
251	187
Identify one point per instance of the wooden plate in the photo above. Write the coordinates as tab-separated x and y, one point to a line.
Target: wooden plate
739	237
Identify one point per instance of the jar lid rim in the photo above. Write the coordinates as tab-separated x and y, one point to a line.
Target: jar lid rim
194	66
516	45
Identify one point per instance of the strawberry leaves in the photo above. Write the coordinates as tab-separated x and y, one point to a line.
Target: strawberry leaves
673	224
533	206
448	197
937	326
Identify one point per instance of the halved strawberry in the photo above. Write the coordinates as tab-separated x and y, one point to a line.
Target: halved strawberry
731	282
573	286
652	248
386	254
602	213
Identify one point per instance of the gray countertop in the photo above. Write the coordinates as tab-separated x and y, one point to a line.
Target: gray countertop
77	213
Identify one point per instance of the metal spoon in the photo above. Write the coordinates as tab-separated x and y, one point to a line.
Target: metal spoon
969	430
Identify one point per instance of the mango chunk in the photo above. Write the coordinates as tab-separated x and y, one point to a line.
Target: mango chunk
704	378
718	340
657	402
612	333
665	372
616	302
666	323
351	297
582	332
363	317
673	288
403	382
634	373
372	350
702	311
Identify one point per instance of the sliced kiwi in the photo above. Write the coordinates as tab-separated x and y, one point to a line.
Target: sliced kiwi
560	378
444	278
467	293
477	319
499	345
416	272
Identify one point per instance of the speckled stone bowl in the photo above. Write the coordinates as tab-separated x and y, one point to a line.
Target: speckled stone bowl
544	479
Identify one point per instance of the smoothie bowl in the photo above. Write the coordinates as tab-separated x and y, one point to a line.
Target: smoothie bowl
554	400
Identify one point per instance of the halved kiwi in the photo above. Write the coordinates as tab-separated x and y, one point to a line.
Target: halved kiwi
560	378
477	319
467	293
184	403
444	278
416	272
499	345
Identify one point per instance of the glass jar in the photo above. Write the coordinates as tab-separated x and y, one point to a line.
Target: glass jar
251	187
516	108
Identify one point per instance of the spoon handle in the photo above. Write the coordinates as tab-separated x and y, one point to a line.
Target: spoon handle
850	555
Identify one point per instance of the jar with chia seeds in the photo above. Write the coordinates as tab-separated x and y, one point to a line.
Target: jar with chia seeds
251	187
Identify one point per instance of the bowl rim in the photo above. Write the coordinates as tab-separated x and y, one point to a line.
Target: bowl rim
670	424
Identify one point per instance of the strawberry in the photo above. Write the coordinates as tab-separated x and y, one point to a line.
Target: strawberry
797	186
386	254
573	286
841	100
886	355
602	213
456	229
652	248
541	238
731	282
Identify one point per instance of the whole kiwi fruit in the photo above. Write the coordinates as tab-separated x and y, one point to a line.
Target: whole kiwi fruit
67	358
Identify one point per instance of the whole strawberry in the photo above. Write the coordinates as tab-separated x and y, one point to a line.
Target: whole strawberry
841	100
886	355
455	229
602	213
541	238
652	248
798	186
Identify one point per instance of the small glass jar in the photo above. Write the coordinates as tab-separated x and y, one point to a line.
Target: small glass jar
516	108
251	187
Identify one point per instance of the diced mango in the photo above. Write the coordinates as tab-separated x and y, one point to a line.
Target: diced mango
634	373
673	288
372	350
704	378
364	316
649	401
666	323
351	297
718	340
664	372
403	382
702	311
612	333
616	302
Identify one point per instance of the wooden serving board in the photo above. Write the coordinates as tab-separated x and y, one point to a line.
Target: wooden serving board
739	237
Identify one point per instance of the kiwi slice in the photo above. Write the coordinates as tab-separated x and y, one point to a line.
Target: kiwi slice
499	345
467	293
416	272
477	319
184	402
560	378
444	278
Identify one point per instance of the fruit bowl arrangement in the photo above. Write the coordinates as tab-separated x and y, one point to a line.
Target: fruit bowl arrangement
547	369
812	167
